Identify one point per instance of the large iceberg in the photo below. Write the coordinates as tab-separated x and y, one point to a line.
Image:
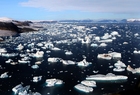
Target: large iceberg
107	77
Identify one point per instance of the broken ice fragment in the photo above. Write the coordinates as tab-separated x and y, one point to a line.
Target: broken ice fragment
83	88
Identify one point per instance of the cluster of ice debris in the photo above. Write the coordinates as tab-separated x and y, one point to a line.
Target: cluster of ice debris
45	46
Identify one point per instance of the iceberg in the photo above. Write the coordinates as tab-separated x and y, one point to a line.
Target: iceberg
68	62
19	89
83	88
35	66
133	70
53	60
119	63
94	45
20	47
83	63
37	78
103	45
4	75
136	51
118	69
53	82
107	77
90	83
38	54
68	53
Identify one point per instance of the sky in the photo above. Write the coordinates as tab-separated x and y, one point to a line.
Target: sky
69	9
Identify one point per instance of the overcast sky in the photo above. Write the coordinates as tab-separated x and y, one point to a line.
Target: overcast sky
69	9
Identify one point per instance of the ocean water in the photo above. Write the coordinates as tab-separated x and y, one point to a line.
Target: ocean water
66	37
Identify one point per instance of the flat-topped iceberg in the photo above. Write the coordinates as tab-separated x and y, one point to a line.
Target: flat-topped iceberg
83	88
133	70
107	77
53	82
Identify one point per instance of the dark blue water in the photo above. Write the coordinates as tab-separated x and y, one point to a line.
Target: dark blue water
71	74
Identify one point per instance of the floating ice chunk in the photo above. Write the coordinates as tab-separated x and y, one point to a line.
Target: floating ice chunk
53	82
55	49
103	45
94	45
23	61
3	50
136	34
118	69
20	47
35	66
19	89
9	54
119	63
136	51
97	38
114	33
115	55
9	61
37	78
38	54
133	70
106	36
68	53
83	63
4	75
53	60
68	62
91	83
107	77
106	41
87	40
83	88
125	43
104	56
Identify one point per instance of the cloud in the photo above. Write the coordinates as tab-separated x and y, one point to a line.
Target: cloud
108	6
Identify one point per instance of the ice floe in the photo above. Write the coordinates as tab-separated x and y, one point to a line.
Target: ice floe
90	83
107	77
83	88
53	82
37	78
4	75
133	70
53	59
83	63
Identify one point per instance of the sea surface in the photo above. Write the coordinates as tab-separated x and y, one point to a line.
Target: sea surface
66	37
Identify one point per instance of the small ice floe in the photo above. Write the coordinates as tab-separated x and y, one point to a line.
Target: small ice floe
49	45
3	50
118	69
136	34
4	75
37	78
53	59
97	38
105	41
23	61
83	88
109	56
86	40
119	63
38	62
55	49
83	63
9	54
125	43
94	45
90	83
68	62
20	90
136	51
38	54
114	33
53	82
35	66
103	45
68	53
133	70
19	47
9	61
107	77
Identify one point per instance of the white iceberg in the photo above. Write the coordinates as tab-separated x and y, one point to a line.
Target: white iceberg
35	66
68	53
119	69
53	59
119	63
19	89
53	82
107	77
4	75
37	78
83	63
20	47
83	88
136	51
68	62
103	45
94	45
38	54
90	83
